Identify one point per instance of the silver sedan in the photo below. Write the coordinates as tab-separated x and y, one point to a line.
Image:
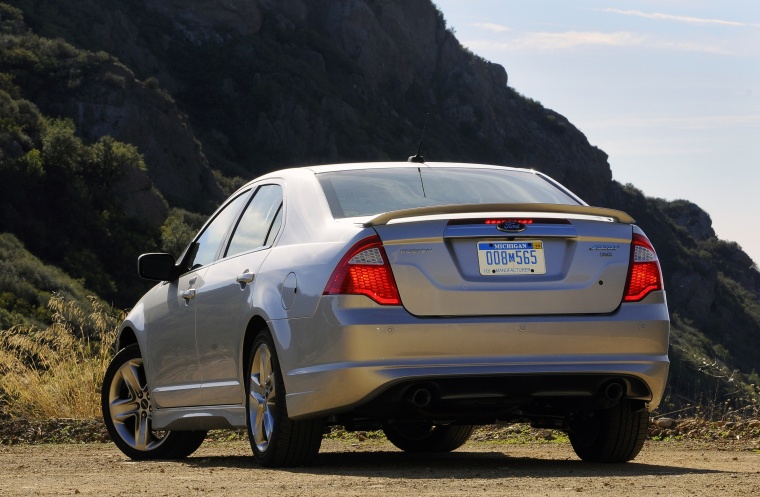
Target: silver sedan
420	299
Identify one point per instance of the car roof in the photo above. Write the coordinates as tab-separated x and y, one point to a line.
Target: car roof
399	164
328	168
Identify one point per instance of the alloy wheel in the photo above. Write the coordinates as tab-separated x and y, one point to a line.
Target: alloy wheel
263	397
130	407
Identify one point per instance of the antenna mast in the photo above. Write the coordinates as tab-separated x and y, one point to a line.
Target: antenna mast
418	158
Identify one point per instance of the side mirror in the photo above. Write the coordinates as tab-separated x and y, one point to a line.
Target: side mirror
159	267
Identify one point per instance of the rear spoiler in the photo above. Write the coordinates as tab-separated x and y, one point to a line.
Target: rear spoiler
585	210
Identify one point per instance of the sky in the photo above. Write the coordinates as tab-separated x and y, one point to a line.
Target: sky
669	89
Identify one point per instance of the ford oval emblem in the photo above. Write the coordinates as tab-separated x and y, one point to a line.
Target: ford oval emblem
511	226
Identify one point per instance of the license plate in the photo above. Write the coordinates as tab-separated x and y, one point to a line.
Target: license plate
511	258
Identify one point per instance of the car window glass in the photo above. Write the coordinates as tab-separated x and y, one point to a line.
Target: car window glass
365	192
206	246
368	192
257	220
482	186
275	227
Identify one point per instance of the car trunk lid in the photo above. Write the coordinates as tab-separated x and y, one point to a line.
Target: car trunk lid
507	260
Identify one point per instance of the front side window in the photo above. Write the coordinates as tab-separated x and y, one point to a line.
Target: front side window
259	223
204	249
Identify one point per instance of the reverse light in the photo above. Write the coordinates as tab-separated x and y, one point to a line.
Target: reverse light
644	273
365	270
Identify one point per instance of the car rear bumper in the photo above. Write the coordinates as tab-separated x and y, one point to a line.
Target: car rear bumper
350	352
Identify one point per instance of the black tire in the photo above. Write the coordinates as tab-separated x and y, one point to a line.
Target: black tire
420	436
612	436
276	440
127	413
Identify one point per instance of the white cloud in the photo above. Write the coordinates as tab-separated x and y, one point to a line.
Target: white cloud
572	39
547	41
669	17
693	46
633	147
683	123
498	28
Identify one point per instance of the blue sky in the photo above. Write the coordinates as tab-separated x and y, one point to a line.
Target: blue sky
669	89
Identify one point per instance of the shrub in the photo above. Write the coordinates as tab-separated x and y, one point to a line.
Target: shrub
178	230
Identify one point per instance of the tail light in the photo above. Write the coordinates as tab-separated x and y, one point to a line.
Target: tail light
644	273
364	270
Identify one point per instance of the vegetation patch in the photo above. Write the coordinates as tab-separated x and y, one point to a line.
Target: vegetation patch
57	372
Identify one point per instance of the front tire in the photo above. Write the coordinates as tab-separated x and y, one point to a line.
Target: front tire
612	436
276	440
420	436
128	413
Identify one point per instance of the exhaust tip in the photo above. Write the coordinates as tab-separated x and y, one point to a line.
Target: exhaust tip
614	391
421	397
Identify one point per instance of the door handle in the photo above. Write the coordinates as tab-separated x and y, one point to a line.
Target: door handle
188	295
245	278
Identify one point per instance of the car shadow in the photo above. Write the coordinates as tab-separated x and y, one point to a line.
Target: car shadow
454	465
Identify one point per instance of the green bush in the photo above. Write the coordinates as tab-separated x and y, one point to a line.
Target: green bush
179	229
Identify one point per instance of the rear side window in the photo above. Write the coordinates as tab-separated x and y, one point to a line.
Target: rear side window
370	192
259	223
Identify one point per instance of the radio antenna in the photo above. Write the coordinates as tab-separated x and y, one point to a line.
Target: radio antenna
418	158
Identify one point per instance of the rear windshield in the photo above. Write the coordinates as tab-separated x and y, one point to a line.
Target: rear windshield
369	192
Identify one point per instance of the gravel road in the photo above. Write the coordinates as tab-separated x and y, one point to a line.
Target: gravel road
373	467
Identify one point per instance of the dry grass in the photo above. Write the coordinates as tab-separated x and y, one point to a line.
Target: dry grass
57	372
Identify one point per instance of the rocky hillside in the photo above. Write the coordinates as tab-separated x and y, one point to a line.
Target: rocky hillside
213	90
277	83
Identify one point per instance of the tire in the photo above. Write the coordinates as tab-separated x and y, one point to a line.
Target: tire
128	411
276	440
612	436
420	436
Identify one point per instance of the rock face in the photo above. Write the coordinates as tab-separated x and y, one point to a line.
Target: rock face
406	60
208	15
130	111
276	83
692	218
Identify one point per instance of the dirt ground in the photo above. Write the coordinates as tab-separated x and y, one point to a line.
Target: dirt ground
374	467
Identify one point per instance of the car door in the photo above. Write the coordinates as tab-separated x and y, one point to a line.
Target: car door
175	372
228	286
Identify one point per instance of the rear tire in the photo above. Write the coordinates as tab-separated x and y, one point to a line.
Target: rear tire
420	436
612	436
128	412
276	440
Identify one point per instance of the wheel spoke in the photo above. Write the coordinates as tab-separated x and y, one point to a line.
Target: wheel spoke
257	389
122	409
268	424
266	366
259	434
258	398
271	398
130	374
143	434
